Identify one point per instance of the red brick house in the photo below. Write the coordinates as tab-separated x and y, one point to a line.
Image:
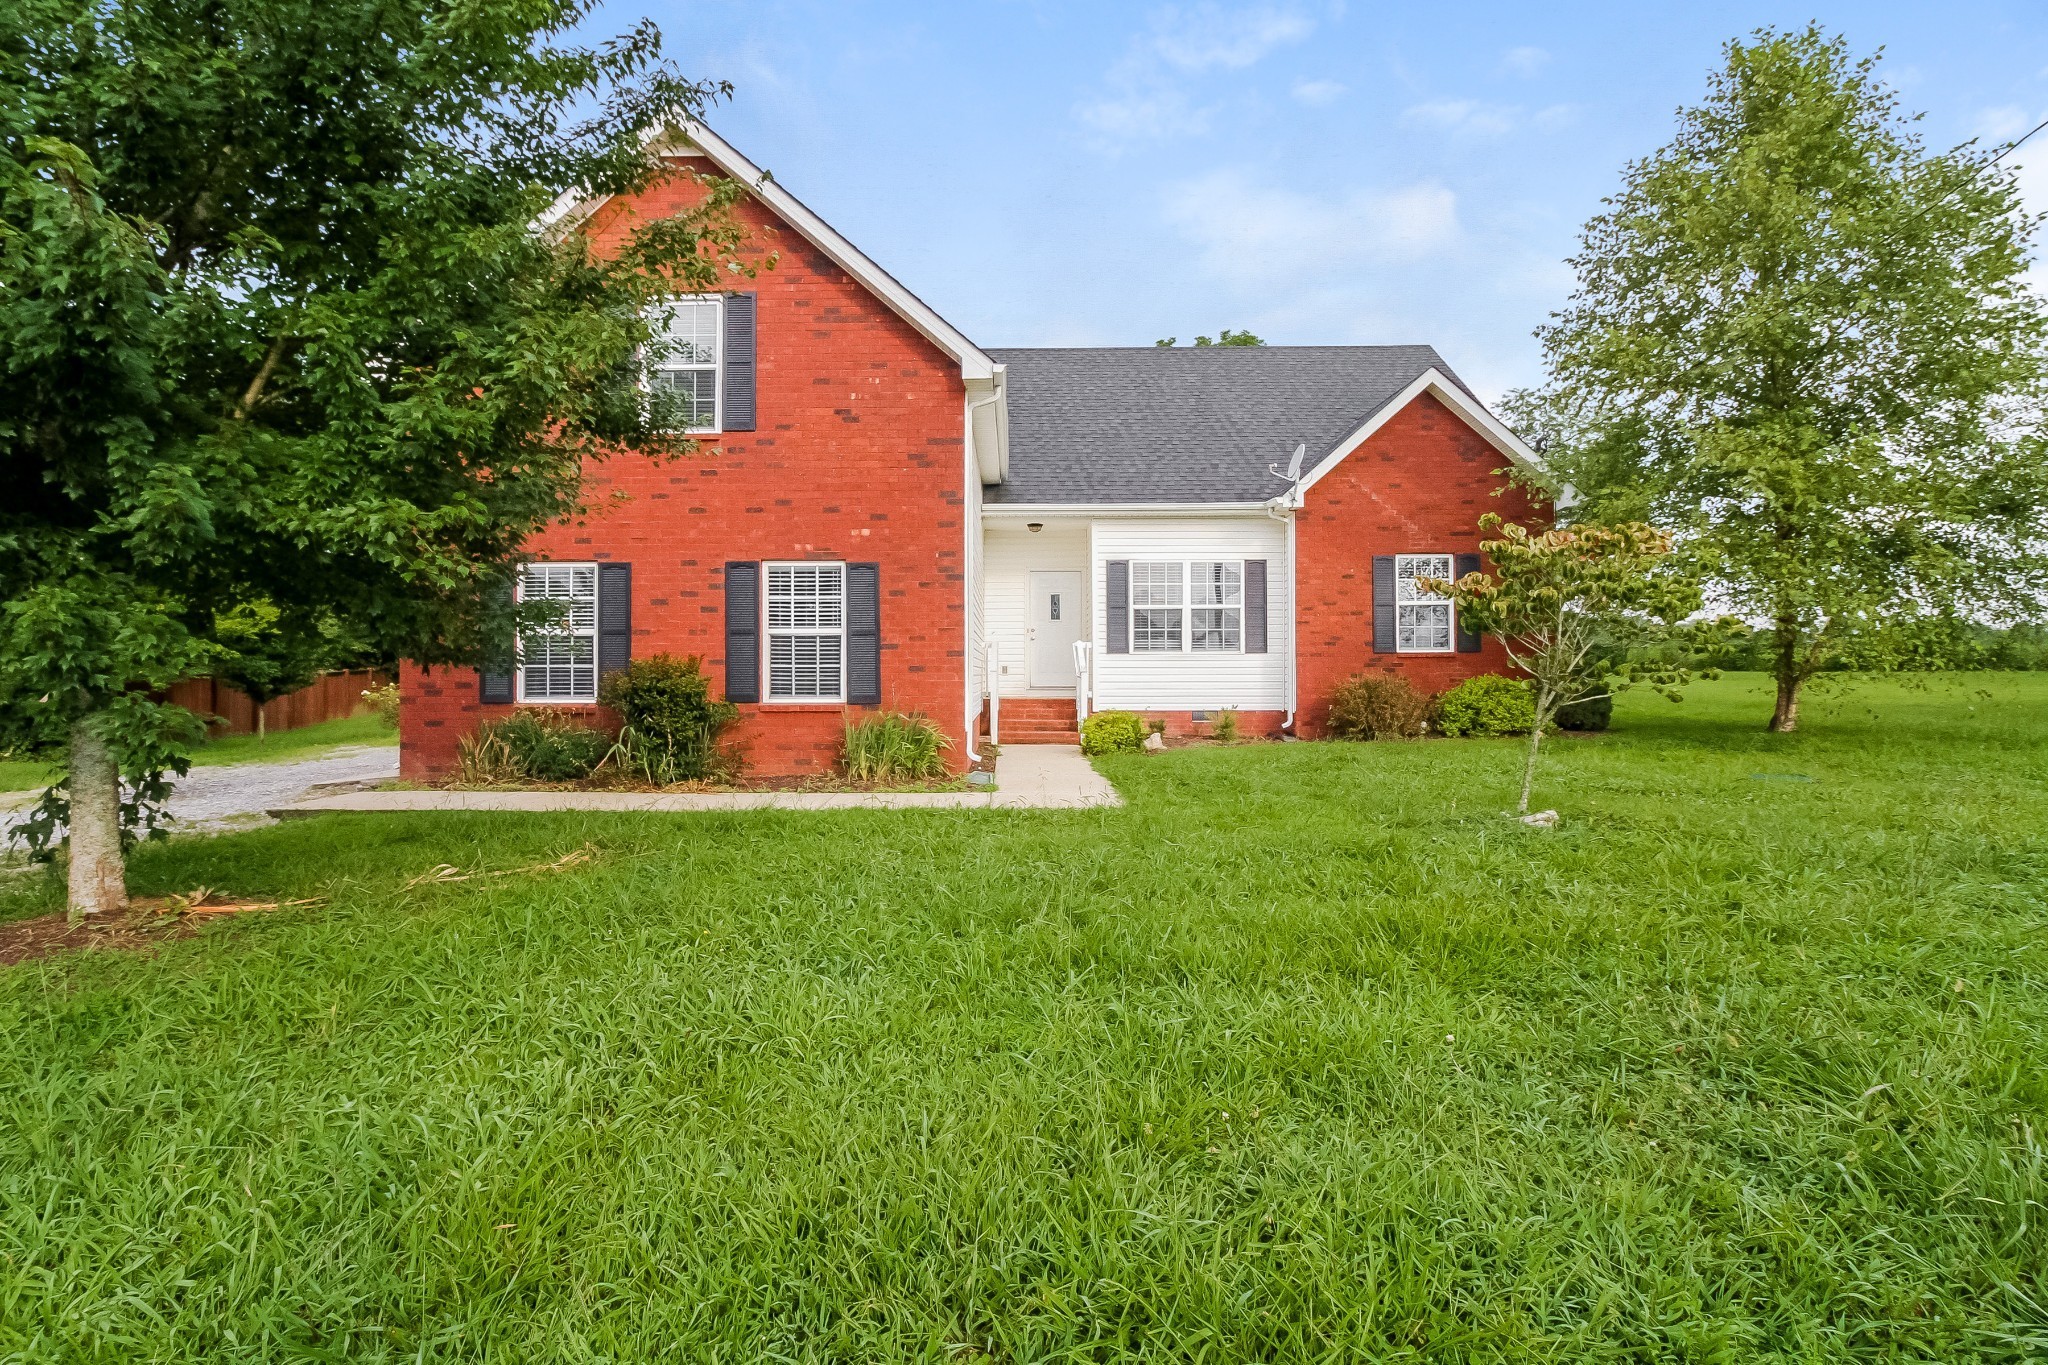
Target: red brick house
888	516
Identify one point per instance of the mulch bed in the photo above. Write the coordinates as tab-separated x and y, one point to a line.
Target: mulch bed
147	922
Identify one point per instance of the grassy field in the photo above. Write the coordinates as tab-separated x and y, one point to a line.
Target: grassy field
305	742
1308	1054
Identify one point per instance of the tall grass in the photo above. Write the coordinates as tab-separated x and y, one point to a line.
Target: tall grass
893	747
1305	1054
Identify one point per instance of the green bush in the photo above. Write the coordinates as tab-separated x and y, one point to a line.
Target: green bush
1223	728
1377	706
1113	732
535	746
672	722
893	747
381	700
1489	704
1592	713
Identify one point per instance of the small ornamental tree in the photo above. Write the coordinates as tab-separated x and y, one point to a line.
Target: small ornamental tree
1561	601
277	325
266	656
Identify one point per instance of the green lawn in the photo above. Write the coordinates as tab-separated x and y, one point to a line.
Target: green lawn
305	742
1308	1054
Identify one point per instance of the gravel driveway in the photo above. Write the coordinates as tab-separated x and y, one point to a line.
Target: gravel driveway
236	795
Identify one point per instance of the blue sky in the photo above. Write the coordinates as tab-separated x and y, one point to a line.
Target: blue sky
1054	173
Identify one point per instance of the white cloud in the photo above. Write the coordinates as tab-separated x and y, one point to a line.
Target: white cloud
1206	36
1138	116
1525	61
1318	92
1147	95
1248	231
1462	116
1998	126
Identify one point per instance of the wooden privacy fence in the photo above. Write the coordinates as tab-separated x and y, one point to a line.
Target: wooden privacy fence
330	697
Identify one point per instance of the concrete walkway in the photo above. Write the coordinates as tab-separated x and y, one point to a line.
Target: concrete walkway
1034	777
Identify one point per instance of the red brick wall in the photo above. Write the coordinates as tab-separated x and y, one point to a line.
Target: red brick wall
1419	484
859	457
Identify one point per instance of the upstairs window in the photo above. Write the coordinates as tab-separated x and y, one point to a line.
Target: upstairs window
684	364
1216	618
1157	607
558	662
1422	621
806	632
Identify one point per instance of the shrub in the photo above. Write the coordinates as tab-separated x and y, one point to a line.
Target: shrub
893	747
1224	727
1371	706
1113	732
672	722
532	745
1489	704
382	702
1591	713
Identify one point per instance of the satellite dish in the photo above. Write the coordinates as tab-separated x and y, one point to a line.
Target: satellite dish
1293	474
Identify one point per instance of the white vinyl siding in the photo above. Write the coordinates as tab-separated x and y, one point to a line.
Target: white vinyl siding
1212	671
559	662
686	363
1422	621
806	632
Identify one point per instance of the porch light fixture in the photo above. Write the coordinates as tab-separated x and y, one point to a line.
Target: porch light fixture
1034	526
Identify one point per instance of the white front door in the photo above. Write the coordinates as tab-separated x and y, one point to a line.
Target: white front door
1057	620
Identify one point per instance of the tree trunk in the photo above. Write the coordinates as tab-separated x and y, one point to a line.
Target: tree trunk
98	879
1785	717
1529	766
259	723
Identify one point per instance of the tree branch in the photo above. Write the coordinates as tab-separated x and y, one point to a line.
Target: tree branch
254	392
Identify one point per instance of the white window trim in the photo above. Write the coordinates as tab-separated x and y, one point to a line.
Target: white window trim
1187	608
768	633
596	625
717	368
1450	645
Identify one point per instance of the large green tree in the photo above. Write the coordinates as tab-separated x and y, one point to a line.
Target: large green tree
276	325
1805	344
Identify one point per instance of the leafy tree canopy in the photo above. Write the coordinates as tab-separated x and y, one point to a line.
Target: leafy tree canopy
1226	338
1805	344
276	326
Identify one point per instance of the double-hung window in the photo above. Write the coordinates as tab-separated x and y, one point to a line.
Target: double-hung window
558	660
1216	620
683	365
806	632
1158	598
1422	620
1180	606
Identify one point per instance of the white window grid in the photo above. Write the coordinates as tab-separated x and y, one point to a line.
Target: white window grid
807	632
558	662
1422	620
1182	606
1216	618
691	361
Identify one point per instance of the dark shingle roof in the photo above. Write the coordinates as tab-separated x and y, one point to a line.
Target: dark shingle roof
1186	424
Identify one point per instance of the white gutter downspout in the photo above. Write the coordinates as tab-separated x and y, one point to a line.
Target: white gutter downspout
970	533
1283	508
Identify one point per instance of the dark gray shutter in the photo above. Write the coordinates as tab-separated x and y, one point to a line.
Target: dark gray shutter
494	679
737	402
743	630
1468	641
614	618
1255	606
864	634
1117	595
1383	604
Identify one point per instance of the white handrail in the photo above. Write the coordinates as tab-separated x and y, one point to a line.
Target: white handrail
1084	679
993	665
